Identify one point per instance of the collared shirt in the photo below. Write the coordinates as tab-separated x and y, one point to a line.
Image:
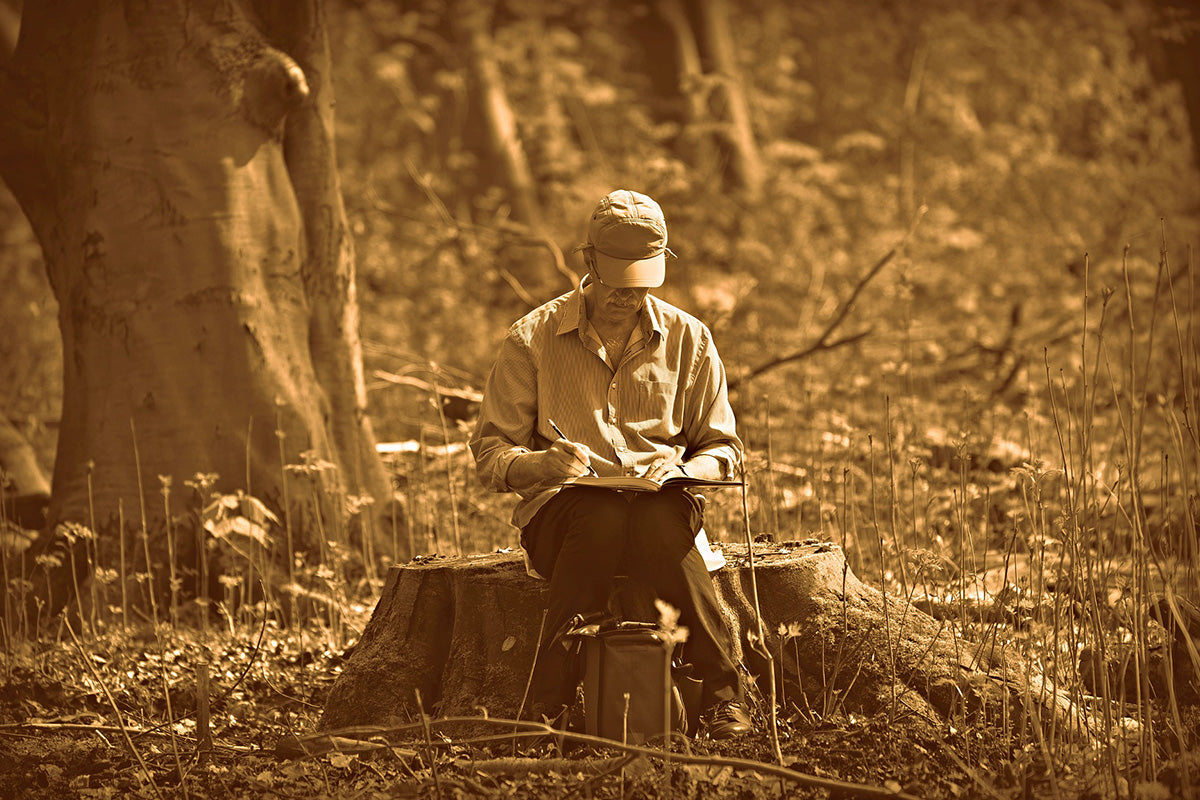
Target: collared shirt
666	397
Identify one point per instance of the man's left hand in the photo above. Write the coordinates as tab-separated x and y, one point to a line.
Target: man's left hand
661	469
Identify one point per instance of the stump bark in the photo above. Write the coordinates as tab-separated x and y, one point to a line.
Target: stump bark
462	632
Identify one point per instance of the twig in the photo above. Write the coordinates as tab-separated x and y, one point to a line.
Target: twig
736	381
87	663
529	236
425	726
137	463
758	642
518	288
437	402
529	682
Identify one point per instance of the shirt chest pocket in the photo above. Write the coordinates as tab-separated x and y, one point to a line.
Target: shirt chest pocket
654	407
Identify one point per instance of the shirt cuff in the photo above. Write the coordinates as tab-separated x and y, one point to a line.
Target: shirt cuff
500	472
726	458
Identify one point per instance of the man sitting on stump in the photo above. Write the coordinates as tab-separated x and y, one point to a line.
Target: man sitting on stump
610	380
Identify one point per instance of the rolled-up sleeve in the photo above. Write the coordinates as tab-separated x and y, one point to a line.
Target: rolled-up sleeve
507	416
709	425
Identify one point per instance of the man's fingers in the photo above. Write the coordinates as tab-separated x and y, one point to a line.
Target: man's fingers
660	468
581	453
572	458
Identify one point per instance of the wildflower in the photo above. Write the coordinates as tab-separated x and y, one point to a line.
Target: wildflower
73	532
355	503
311	465
14	539
668	621
48	561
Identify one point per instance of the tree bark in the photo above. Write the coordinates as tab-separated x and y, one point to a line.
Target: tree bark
176	162
462	632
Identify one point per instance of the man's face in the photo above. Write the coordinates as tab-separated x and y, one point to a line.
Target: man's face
614	306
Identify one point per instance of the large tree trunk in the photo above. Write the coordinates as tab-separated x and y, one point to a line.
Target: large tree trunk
176	162
463	631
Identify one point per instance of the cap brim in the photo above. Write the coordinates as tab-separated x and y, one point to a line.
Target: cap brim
623	273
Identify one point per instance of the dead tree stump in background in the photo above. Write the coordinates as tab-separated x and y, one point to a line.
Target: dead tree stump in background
463	632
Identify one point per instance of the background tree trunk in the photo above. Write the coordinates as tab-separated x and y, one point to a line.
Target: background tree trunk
176	162
463	631
718	115
27	492
472	20
1174	56
732	107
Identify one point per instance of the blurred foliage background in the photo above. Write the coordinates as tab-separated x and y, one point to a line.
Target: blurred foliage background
1044	148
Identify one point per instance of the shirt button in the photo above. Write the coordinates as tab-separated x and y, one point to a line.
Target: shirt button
614	385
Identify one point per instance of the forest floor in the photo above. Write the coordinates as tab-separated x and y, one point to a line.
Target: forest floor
62	736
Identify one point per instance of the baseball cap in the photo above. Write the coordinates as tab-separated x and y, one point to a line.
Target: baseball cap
628	236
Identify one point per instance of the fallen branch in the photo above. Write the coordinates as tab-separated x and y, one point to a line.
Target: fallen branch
469	395
299	747
98	728
823	342
530	766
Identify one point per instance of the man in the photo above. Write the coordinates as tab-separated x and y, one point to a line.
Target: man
608	379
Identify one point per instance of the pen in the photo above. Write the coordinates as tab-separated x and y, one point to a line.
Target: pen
562	435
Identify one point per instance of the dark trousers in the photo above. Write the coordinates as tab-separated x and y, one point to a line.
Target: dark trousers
584	536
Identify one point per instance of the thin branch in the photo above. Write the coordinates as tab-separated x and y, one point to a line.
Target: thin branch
799	355
823	342
530	237
518	289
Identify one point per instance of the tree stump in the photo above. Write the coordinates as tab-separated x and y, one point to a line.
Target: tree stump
462	632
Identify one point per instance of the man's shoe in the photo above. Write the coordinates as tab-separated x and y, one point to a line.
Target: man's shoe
727	719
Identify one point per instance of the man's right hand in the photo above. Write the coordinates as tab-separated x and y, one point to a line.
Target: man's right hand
565	459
